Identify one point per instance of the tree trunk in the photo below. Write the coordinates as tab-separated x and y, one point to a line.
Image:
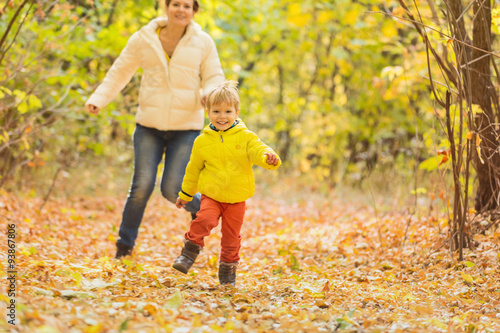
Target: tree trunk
487	159
479	91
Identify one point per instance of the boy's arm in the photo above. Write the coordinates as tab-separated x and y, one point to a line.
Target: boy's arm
193	169
261	154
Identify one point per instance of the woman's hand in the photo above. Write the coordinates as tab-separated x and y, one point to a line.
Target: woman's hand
180	203
92	109
203	100
272	159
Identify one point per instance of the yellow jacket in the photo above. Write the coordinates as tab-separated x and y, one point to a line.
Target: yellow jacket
221	164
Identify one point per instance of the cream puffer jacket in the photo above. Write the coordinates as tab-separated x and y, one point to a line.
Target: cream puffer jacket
220	166
170	92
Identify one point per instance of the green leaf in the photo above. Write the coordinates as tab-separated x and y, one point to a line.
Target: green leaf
282	252
174	301
124	324
294	262
75	294
469	264
23	107
429	164
34	102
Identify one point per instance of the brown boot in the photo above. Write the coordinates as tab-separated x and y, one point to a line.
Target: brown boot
227	272
123	250
189	253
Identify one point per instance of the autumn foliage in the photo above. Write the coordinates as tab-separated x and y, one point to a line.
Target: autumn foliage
307	266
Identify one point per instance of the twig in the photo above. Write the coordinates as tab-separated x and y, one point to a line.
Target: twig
49	192
450	38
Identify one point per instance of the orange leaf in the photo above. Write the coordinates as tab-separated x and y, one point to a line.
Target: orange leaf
444	160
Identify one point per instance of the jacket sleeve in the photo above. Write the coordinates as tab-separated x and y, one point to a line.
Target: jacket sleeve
118	75
193	169
210	70
256	149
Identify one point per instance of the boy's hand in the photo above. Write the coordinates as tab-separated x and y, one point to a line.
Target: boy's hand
180	203
272	159
92	109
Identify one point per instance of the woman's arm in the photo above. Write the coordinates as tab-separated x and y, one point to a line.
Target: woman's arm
210	71
117	77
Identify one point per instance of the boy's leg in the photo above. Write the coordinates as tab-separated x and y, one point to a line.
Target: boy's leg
232	221
148	152
207	219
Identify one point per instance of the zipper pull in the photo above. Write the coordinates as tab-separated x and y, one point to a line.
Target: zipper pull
221	140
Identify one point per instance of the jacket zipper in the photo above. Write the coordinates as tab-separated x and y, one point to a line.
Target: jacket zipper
223	155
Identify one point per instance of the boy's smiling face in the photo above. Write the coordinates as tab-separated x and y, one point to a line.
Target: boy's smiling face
223	115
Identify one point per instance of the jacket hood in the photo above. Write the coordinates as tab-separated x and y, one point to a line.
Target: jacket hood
237	128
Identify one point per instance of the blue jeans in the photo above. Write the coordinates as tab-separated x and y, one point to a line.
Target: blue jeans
149	146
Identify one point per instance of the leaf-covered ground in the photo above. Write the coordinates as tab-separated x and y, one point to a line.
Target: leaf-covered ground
306	267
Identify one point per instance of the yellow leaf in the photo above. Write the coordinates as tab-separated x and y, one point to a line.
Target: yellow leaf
94	329
296	16
438	323
299	20
104	259
478	147
229	326
351	17
196	321
398	11
467	278
389	30
212	260
77	277
324	17
149	309
468	136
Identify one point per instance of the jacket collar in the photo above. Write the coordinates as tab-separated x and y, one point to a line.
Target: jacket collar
148	32
237	126
213	128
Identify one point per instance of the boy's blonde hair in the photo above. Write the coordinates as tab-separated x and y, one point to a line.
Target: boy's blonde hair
226	92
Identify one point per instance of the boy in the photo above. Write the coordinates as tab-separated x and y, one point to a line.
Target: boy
220	168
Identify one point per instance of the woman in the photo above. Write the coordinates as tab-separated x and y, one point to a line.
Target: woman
180	66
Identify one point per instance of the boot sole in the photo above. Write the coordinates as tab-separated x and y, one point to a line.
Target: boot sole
180	268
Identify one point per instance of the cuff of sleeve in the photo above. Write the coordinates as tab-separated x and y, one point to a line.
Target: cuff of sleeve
185	196
96	100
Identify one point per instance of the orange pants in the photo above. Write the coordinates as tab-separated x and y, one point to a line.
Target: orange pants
207	218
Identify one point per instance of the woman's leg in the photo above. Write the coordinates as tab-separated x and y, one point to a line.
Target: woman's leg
177	152
148	151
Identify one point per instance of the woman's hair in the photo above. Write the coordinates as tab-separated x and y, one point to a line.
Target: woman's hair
226	92
196	4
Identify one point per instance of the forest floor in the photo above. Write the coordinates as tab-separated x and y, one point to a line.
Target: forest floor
306	266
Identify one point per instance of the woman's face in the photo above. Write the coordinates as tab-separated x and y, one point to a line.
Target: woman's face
180	12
